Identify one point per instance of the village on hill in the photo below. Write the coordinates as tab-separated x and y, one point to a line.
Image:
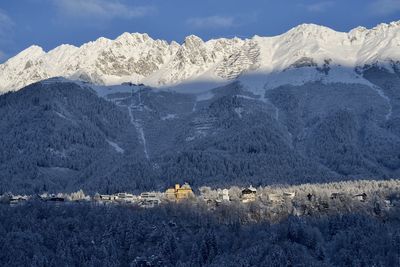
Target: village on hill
271	202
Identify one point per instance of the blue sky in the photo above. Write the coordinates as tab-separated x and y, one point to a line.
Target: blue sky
49	23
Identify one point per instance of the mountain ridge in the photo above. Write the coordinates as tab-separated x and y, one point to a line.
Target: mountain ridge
137	58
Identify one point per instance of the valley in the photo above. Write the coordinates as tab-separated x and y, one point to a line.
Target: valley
199	133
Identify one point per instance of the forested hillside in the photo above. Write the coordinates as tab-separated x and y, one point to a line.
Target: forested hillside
63	136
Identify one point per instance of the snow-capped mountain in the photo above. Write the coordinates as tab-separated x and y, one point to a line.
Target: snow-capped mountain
138	58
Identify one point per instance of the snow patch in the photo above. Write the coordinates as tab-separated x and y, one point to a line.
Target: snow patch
169	117
104	91
204	96
247	97
60	115
115	146
190	138
258	83
239	112
386	98
139	129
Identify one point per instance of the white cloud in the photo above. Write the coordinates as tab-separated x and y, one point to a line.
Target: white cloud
3	56
6	24
101	9
384	7
6	33
212	22
320	7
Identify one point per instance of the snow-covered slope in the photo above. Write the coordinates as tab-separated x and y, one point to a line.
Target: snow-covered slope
138	58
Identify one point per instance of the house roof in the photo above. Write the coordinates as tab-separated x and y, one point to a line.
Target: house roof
185	186
249	190
360	195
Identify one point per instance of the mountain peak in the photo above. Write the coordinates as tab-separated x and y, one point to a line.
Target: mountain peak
134	37
33	50
102	41
310	30
192	40
395	23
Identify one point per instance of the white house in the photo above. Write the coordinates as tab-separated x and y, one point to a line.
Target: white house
361	197
125	197
274	197
225	195
289	195
149	200
107	198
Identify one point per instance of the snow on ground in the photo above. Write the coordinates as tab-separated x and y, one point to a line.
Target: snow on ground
204	96
239	112
247	97
103	90
198	87
386	98
60	115
115	146
257	82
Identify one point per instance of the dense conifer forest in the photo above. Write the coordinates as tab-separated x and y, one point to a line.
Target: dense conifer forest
307	225
39	234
